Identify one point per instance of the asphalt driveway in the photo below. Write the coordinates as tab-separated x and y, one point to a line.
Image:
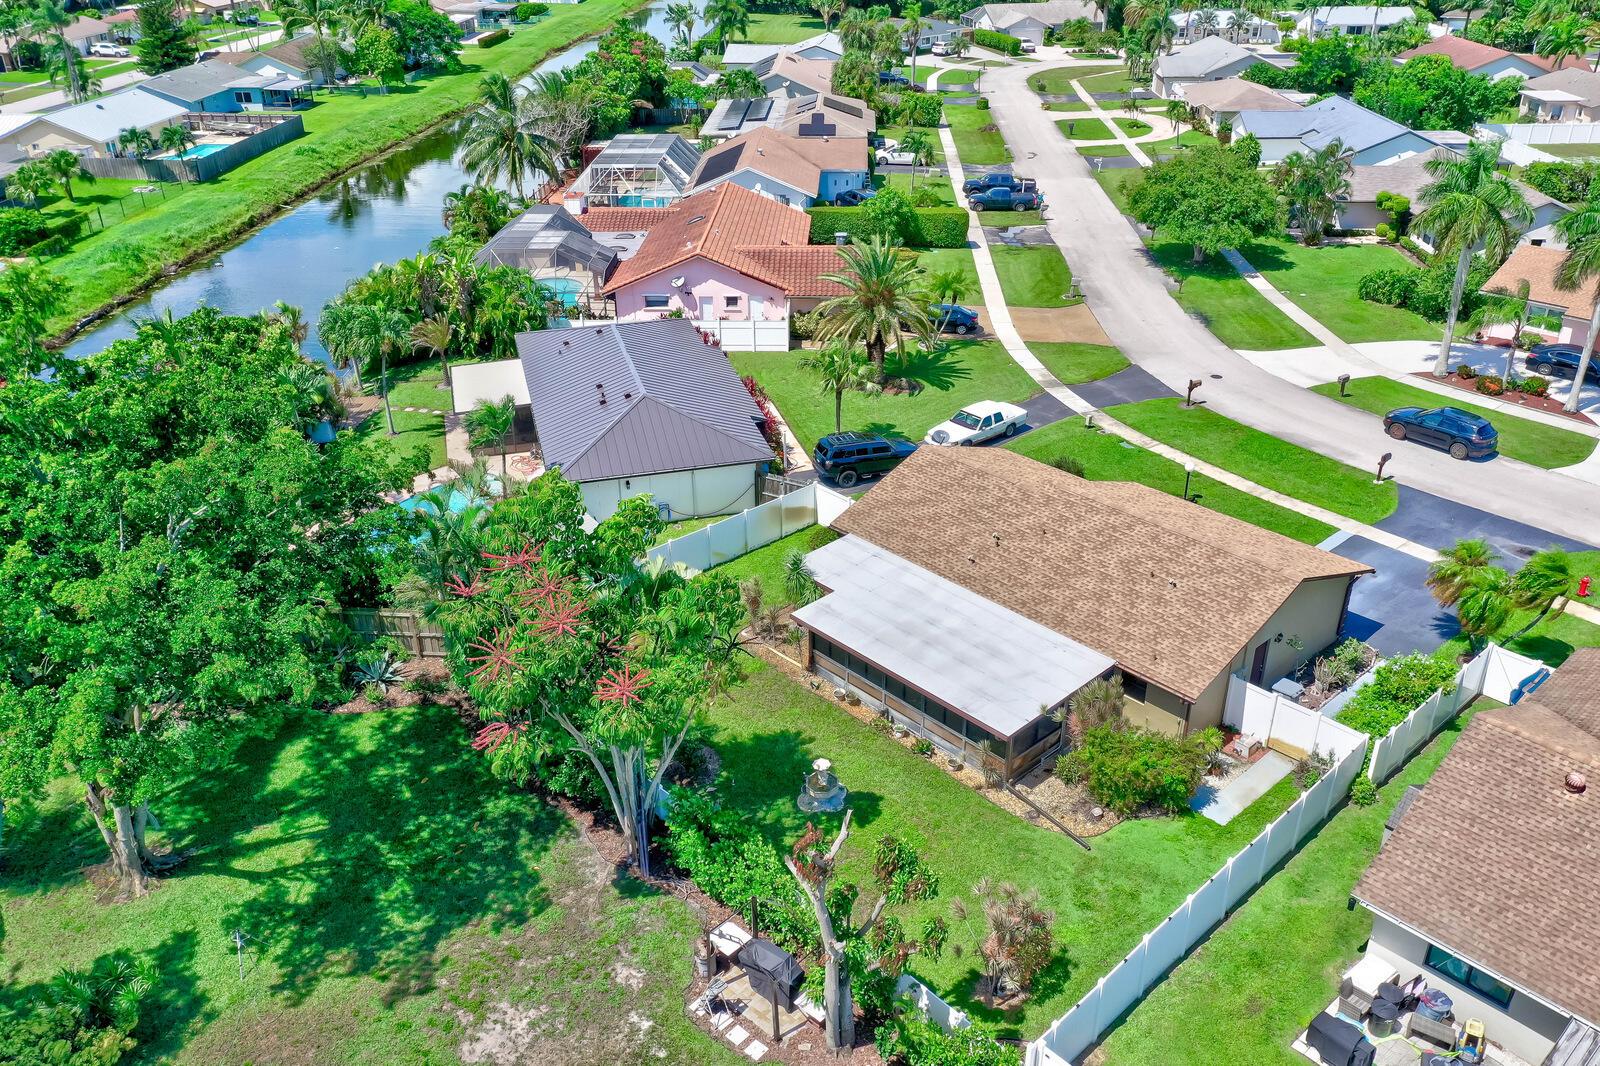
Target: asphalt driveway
1392	609
1438	523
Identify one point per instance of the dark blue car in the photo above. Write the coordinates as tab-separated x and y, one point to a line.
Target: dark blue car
846	458
953	318
1547	359
1462	434
892	77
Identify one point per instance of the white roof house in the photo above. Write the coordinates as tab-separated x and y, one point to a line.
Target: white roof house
822	46
1028	22
95	124
1209	22
1352	19
1208	59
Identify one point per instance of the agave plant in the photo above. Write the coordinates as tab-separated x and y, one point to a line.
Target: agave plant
381	669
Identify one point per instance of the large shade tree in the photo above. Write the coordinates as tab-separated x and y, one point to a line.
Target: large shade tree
176	553
1210	198
1470	204
566	645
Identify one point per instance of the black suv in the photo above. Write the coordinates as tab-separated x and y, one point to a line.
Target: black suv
1546	359
849	457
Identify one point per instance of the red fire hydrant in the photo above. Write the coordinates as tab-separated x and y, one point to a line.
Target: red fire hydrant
1583	586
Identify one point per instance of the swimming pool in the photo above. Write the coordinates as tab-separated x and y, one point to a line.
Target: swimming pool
200	151
459	500
565	289
640	200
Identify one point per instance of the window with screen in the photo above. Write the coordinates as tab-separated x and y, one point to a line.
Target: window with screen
1469	976
656	301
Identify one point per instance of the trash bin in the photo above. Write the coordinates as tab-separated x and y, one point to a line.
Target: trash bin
1435	1004
1384	1019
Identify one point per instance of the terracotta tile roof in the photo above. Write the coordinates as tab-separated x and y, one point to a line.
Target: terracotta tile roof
1168	589
797	162
797	271
1470	55
1574	691
1538	266
721	225
1526	909
623	219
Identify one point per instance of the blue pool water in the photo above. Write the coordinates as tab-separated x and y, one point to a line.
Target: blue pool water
566	289
200	151
459	501
640	200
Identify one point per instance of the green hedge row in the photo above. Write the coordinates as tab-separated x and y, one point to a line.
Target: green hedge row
999	42
489	40
934	227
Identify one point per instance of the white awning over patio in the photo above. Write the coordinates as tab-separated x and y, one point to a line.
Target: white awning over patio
472	383
973	655
1551	96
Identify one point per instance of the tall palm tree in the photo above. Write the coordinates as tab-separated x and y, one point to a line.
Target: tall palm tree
1580	270
1563	39
48	21
855	30
489	425
1484	605
1456	568
828	10
880	306
911	29
1505	309
1471	204
31	180
65	166
137	143
321	17
434	335
841	368
680	18
920	146
367	334
1312	183
362	15
497	143
1153	20
66	63
728	17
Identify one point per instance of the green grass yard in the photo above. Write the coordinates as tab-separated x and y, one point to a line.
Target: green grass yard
957	375
1067	105
976	144
768	28
1033	276
1104	900
1133	127
765	564
413	385
1084	129
938	183
1115	80
1119	183
1323	281
341	131
400	906
1239	315
1073	362
1058	82
1276	962
1107	457
1166	146
934	260
1520	438
1266	460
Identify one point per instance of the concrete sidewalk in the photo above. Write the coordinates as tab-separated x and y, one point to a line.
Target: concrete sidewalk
1227	803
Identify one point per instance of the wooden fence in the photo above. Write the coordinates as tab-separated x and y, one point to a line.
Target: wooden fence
418	637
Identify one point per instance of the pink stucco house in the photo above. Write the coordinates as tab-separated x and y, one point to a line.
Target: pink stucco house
734	262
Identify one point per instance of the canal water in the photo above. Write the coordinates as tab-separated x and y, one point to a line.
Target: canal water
383	212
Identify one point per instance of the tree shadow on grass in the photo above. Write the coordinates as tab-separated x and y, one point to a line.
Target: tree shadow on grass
1006	1016
403	839
762	776
940	368
1264	257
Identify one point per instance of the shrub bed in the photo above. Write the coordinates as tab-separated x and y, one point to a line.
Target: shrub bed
1128	769
21	229
931	227
1397	688
493	37
999	42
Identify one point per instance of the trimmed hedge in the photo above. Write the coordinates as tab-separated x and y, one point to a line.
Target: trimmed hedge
493	37
935	227
999	42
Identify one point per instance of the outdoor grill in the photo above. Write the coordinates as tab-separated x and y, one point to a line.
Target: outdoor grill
774	974
1338	1043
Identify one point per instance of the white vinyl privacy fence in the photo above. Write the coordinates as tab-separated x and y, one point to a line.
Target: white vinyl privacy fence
1544	132
1283	725
1161	949
728	538
1496	673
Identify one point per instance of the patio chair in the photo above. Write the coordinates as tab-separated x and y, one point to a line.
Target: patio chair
1353	1002
712	994
1441	1033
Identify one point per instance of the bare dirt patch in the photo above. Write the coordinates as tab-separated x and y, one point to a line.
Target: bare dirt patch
1075	323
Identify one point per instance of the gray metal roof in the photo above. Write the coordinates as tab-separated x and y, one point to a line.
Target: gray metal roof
633	398
990	663
196	81
1322	123
1201	58
547	237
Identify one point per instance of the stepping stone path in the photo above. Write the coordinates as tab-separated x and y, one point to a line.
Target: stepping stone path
423	410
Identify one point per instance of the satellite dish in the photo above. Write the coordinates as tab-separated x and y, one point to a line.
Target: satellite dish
941	437
677	282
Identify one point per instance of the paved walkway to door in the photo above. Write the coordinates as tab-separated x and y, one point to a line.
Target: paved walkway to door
1224	804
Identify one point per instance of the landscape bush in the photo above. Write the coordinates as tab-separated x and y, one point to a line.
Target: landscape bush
925	227
909	1039
1491	384
1534	385
493	37
1567	182
1466	372
999	42
983	103
21	229
1425	292
1127	769
1397	688
527	12
1363	793
1391	286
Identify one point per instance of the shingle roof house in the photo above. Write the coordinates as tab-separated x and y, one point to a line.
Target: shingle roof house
1538	266
1223	100
793	170
825	46
1516	944
787	74
95	124
815	115
1208	59
1371	137
1568	95
1407	177
1178	596
1487	60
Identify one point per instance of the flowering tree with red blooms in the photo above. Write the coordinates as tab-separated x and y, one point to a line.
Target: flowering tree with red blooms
566	643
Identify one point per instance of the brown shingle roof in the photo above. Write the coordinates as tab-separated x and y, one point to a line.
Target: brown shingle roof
1408	176
1538	266
1236	94
1574	691
1470	55
623	219
814	74
721	225
798	162
1168	589
1526	911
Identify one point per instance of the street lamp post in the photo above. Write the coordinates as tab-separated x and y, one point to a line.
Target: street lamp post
1188	472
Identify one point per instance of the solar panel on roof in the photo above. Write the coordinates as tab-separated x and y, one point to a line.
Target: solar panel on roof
801	106
720	164
735	115
759	110
849	109
817	126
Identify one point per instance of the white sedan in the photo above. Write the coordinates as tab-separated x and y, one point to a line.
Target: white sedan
893	153
979	422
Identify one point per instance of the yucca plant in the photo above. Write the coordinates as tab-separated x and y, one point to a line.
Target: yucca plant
1096	704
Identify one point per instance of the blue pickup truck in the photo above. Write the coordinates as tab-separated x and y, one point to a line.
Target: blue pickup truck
1003	199
998	179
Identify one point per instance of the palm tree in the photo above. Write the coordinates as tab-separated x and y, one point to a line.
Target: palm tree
48	21
293	320
920	145
1580	269
1457	567
321	17
64	166
66	64
489	425
434	335
1484	605
136	142
362	15
910	30
948	287
841	368
680	19
728	17
480	210
1153	20
1178	113
880	306
497	144
1471	204
828	10
1563	39
1505	309
1312	184
855	30
31	180
178	140
1546	579
366	334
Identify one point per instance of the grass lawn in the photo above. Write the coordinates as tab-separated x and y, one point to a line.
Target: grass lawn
1266	460
938	183
1118	184
936	259
1067	105
1107	457
1084	129
1104	900
1239	315
1114	80
1520	438
765	564
1323	282
1572	151
108	202
394	896
1551	641
1035	276
1058	82
780	29
412	385
1133	127
1073	362
976	144
341	131
1107	151
1300	927
963	372
675	530
1165	147
895	133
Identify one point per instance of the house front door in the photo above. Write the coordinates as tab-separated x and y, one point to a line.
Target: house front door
707	309
1258	665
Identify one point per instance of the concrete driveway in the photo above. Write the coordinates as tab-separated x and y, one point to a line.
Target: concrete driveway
1132	299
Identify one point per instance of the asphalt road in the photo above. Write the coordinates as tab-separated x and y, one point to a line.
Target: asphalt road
1130	296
